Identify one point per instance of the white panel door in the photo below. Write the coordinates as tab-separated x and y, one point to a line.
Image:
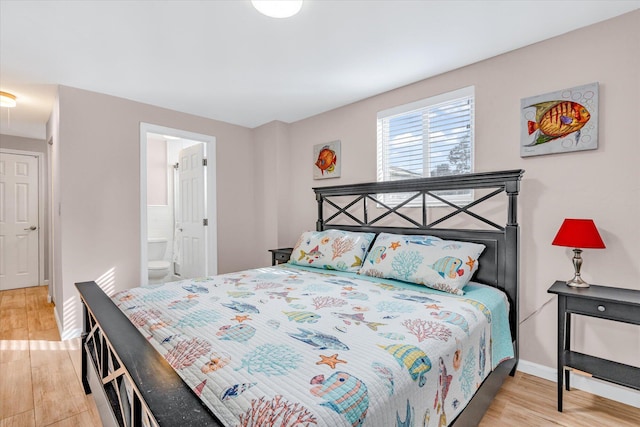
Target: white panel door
192	212
18	221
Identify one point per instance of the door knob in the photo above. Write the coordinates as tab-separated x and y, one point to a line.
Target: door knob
33	227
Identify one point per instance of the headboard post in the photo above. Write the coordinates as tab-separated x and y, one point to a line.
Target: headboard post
512	189
512	283
320	221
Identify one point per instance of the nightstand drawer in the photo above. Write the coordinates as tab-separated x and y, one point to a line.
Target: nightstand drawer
282	256
604	309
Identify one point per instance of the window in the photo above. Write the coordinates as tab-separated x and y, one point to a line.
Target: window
431	137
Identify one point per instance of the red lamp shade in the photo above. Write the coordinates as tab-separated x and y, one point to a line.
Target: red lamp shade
579	233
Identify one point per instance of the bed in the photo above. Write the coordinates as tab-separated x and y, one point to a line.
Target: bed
360	328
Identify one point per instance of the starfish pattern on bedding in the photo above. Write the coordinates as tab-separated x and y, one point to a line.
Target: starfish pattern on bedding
332	360
241	318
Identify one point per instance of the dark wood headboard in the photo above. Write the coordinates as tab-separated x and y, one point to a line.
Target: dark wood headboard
360	209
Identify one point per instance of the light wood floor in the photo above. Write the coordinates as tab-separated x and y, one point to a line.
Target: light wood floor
39	374
40	380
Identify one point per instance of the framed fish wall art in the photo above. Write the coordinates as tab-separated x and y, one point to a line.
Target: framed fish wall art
559	122
326	160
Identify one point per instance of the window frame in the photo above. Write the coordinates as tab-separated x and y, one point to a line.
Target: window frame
425	105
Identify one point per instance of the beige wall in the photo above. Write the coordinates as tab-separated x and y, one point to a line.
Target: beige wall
603	184
97	145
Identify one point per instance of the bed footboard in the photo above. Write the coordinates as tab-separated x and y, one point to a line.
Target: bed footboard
140	386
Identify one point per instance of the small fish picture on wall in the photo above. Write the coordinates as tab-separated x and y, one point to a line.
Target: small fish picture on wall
326	160
560	122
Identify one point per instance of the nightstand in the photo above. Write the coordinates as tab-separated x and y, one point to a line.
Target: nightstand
281	255
620	305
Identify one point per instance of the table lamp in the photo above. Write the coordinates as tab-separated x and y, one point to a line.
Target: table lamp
578	233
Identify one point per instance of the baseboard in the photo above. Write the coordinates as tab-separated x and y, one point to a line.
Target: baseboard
66	334
590	385
49	298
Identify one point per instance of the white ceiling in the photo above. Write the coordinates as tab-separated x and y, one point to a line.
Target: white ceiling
223	60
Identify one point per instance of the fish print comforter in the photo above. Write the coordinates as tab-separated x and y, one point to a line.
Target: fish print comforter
289	346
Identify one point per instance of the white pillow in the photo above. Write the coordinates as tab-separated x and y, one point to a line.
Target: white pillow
331	249
446	265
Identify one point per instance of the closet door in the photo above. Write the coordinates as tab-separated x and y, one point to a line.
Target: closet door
18	221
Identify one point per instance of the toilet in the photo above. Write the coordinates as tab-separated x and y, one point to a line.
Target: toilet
158	267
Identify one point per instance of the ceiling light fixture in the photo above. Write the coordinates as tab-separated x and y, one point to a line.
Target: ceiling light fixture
7	100
277	8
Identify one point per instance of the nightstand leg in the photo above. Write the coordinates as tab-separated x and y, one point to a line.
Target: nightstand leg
567	346
562	305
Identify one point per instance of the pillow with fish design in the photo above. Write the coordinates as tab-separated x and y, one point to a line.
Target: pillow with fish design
446	265
331	249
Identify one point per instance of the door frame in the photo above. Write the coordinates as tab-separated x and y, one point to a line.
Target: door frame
39	156
210	185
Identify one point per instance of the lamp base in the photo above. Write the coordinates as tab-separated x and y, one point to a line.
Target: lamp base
577	282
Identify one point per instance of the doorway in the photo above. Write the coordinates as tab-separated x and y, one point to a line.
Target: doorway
20	219
178	205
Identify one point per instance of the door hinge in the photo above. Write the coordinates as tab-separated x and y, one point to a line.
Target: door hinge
205	222
204	162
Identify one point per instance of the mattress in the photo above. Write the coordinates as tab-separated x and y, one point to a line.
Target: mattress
295	346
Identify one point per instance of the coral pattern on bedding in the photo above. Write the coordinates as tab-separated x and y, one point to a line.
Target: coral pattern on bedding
290	346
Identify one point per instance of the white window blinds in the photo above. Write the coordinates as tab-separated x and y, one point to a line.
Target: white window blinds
431	137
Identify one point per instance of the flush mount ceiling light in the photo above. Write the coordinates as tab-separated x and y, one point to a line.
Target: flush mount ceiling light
7	100
278	8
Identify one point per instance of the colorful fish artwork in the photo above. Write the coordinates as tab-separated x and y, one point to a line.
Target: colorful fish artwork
557	119
235	391
355	295
238	333
377	254
282	295
240	294
195	289
415	298
448	266
444	381
358	318
452	318
411	357
241	307
341	282
481	307
344	394
395	336
326	160
311	256
302	316
422	240
319	340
